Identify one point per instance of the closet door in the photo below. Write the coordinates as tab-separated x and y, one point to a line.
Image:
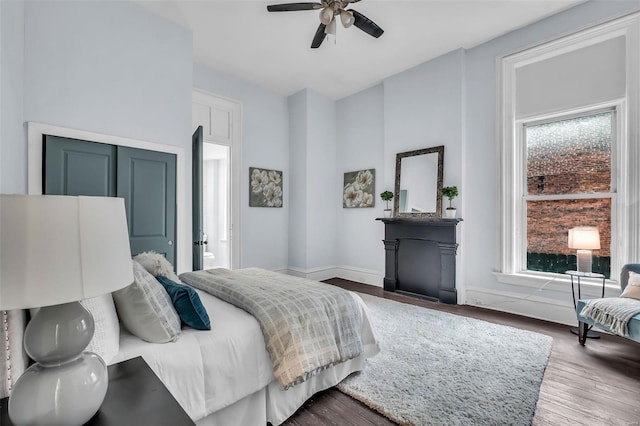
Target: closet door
74	167
147	182
145	179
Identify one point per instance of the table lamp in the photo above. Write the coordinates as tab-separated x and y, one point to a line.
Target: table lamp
584	239
54	252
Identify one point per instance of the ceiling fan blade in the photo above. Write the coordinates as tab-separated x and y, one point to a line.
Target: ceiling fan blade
292	7
350	1
319	37
366	24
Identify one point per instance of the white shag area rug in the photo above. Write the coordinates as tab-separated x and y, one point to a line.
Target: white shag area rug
436	368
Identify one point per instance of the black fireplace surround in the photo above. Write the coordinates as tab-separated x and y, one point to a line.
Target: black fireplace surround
420	257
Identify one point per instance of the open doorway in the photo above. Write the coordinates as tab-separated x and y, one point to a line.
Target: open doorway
215	205
216	164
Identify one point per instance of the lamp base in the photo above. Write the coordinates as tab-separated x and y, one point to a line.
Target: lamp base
584	260
65	386
69	394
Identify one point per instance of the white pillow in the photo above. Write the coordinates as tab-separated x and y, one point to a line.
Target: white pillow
145	308
106	336
156	264
632	290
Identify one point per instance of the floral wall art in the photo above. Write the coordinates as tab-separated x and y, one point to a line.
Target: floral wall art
265	187
359	188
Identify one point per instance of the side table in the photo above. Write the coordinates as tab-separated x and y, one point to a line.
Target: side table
135	397
577	275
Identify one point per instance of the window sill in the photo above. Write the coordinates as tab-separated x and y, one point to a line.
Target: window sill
589	288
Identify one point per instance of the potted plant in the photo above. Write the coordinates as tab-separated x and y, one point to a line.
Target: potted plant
450	192
386	197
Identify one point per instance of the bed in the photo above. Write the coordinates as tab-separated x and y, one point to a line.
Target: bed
225	376
222	376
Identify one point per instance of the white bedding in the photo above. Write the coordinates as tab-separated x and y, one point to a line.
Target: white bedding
209	370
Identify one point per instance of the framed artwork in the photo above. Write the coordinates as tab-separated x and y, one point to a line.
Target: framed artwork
358	189
265	187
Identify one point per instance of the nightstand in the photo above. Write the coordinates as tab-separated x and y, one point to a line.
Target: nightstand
577	275
135	397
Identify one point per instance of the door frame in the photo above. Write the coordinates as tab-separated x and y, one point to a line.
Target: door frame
235	175
35	132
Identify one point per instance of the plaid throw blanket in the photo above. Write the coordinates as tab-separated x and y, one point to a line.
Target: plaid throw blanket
612	312
307	326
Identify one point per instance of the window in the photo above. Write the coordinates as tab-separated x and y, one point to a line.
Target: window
568	184
569	153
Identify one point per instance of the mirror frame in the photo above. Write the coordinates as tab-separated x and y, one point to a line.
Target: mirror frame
396	203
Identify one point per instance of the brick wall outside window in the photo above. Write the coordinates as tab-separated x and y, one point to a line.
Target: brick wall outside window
570	157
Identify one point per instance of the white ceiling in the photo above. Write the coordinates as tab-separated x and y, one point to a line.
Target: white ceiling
272	49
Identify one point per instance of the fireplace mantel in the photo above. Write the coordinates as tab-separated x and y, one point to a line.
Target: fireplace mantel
420	257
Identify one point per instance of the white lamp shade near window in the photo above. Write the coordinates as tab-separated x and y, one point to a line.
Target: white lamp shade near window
54	252
59	249
584	238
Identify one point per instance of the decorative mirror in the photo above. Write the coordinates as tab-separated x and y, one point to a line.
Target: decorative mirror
419	183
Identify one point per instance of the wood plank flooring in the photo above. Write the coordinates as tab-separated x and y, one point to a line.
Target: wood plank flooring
598	384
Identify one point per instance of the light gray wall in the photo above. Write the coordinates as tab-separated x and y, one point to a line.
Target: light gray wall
480	183
323	201
312	227
298	188
108	67
451	101
423	108
13	147
265	144
586	76
360	145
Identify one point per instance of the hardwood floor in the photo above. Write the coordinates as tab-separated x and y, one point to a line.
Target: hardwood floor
598	384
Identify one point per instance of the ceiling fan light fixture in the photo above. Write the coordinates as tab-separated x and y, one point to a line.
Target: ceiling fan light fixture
331	28
326	15
347	18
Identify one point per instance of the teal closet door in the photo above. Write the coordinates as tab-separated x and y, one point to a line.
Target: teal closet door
147	182
74	167
145	179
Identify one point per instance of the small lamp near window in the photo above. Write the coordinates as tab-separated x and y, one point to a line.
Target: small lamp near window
54	252
584	239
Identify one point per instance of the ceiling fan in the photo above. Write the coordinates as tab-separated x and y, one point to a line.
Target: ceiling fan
329	10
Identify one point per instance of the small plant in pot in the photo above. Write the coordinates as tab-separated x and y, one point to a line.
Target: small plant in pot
386	197
450	192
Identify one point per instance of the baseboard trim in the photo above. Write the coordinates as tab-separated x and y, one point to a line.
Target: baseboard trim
528	305
364	276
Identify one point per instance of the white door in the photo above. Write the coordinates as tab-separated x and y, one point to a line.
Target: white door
221	174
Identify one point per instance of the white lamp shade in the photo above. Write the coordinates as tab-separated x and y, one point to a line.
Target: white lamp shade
326	15
60	249
347	18
584	238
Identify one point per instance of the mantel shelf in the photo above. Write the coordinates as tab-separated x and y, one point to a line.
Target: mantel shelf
428	221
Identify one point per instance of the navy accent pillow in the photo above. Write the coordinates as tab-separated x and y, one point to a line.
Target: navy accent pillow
187	304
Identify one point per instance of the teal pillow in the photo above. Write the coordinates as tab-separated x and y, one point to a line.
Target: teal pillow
187	304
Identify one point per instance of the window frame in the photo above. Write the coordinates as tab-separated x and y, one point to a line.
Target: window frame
522	192
512	167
